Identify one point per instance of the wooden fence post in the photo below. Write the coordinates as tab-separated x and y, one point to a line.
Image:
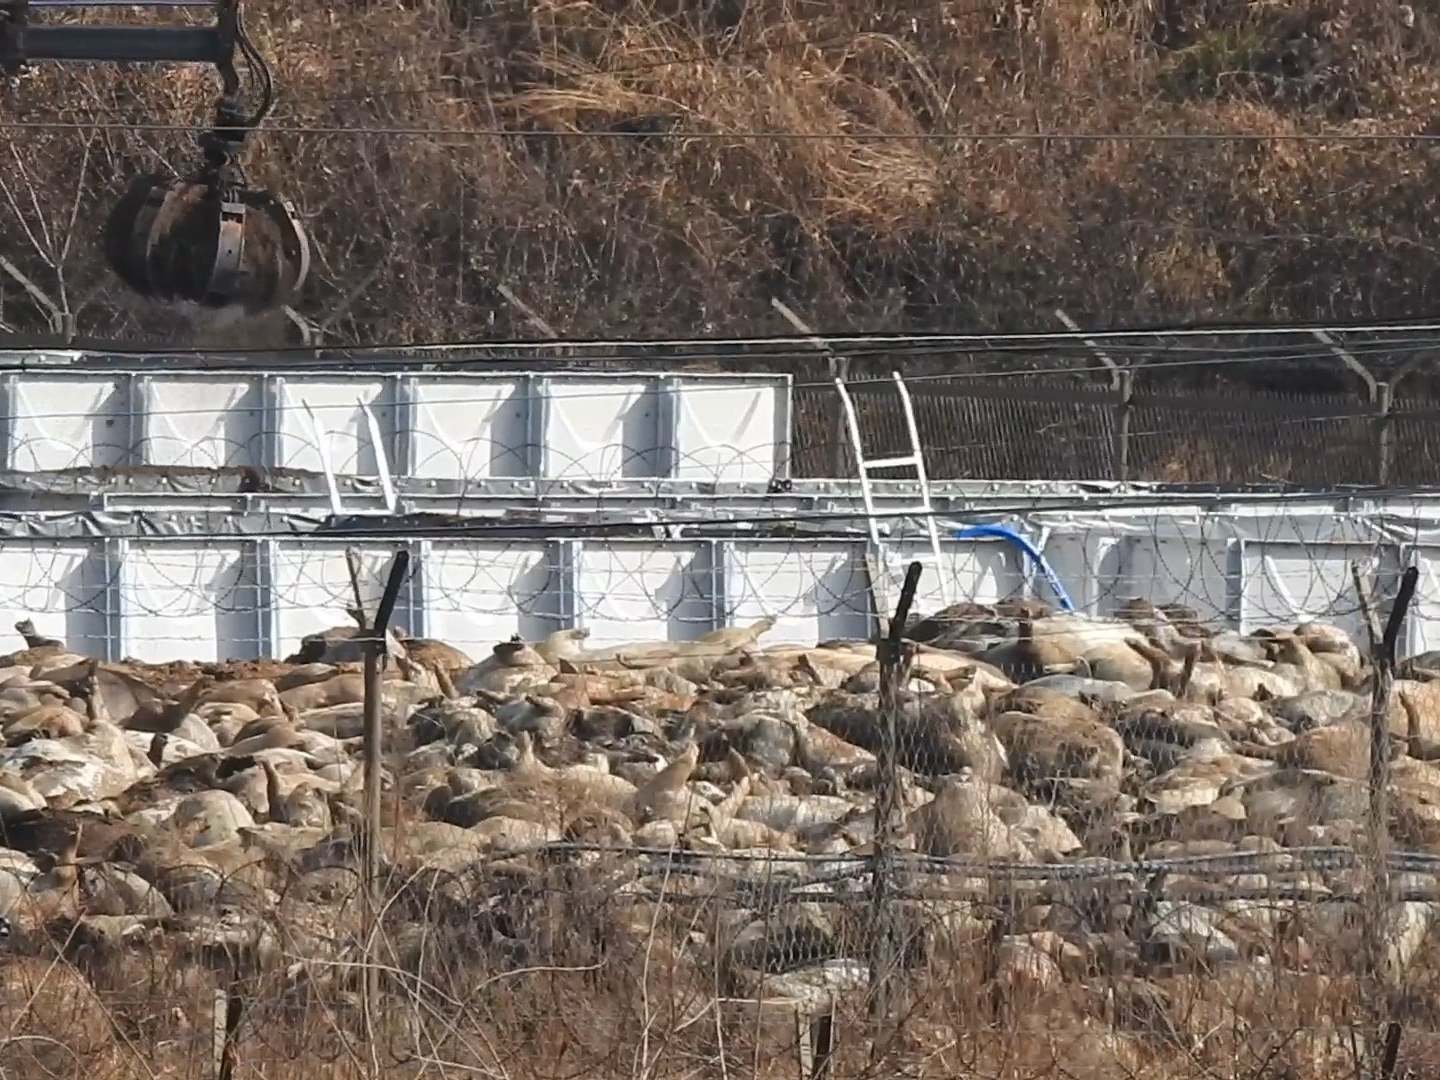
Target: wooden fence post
373	636
228	1010
885	945
1379	890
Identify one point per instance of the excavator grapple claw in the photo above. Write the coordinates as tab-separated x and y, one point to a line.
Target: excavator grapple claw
207	242
207	238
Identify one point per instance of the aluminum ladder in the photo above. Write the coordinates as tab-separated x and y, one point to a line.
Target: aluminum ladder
886	570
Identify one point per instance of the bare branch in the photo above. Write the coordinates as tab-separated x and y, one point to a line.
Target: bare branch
48	251
40	296
20	218
75	206
531	315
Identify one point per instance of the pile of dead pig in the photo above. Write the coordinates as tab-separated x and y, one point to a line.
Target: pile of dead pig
1127	796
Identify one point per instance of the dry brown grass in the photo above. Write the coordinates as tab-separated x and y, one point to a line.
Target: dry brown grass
676	235
521	972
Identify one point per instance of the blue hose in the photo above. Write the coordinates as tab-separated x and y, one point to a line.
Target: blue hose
972	532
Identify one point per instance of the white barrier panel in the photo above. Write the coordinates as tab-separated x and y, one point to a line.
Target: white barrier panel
1087	564
728	430
202	423
1424	621
1164	570
188	600
478	594
564	425
602	429
638	592
165	598
61	422
815	591
312	589
338	412
470	429
982	571
1286	583
59	587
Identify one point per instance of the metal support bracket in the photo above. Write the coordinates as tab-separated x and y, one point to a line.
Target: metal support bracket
565	556
322	447
382	455
22	41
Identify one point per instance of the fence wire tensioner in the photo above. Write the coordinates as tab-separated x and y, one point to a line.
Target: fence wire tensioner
205	237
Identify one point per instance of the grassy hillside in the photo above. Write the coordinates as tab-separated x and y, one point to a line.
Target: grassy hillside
692	228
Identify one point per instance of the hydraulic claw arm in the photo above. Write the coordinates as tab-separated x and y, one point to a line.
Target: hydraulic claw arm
206	237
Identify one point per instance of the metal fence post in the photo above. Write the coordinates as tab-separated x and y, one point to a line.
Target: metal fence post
1124	409
1379	394
1122	381
1382	396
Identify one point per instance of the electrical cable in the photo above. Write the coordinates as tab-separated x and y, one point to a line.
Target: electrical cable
402	132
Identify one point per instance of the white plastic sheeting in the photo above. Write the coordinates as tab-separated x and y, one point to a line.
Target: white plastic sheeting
196	601
199	422
171	597
58	422
636	592
61	588
452	427
478	594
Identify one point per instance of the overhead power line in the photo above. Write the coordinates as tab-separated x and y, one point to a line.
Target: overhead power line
929	137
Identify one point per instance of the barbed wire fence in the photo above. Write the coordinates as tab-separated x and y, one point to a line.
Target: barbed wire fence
165	595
